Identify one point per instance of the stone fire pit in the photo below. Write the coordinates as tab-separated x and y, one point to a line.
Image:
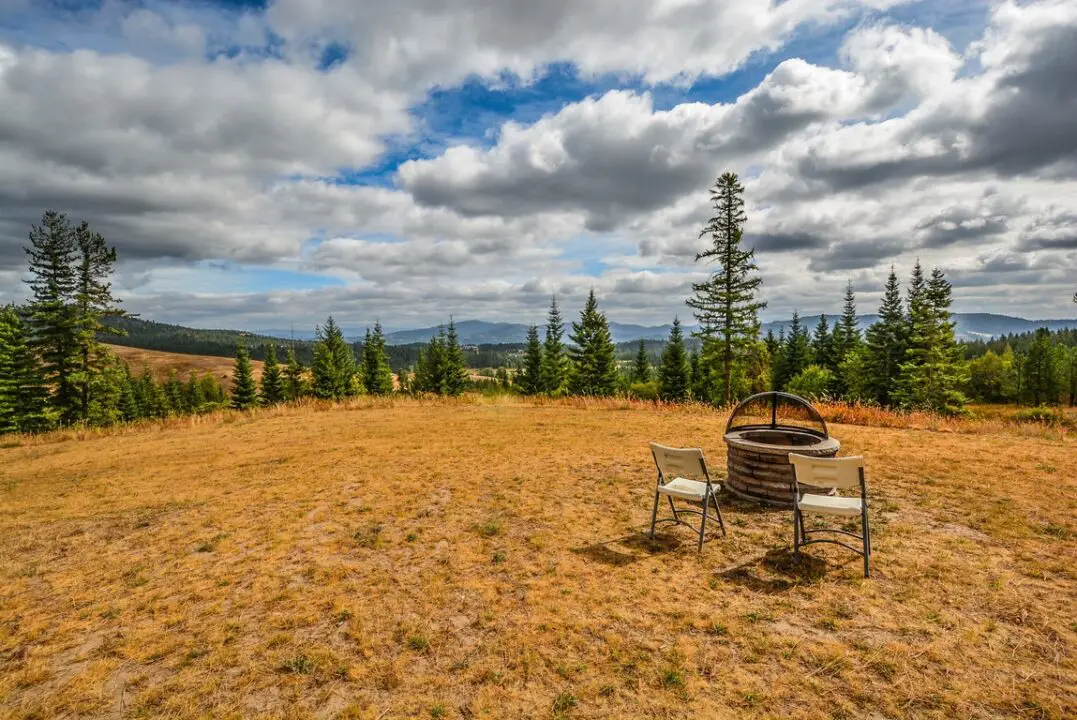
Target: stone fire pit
761	433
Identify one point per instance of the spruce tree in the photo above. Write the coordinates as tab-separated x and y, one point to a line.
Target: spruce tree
52	322
430	366
594	355
795	354
23	395
455	369
273	390
174	393
886	343
932	370
822	345
93	301
293	377
1041	383
333	370
725	305
641	366
129	405
244	392
193	396
377	375
674	369
696	381
847	334
530	378
555	360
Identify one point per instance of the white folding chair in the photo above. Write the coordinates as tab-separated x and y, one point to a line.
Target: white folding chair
838	473
676	469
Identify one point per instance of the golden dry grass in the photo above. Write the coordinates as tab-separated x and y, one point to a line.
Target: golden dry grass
409	558
161	363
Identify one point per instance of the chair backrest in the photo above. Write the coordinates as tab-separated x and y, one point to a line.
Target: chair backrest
841	473
679	462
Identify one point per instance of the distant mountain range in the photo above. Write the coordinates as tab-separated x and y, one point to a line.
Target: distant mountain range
970	326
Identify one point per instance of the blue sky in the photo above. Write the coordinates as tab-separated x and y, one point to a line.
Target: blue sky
261	163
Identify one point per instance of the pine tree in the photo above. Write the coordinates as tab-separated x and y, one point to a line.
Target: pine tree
847	334
430	366
725	305
244	392
334	363
822	345
1041	384
193	397
377	376
594	355
886	343
294	387
530	378
52	322
795	354
696	381
173	389
23	395
272	380
129	405
93	301
674	370
455	369
641	367
555	360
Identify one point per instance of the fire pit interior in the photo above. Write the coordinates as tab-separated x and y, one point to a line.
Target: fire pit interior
761	433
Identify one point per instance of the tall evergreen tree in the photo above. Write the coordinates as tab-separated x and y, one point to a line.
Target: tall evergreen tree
333	369
641	366
294	387
430	366
697	382
273	390
674	370
244	391
23	395
456	375
795	354
593	355
725	304
93	301
822	345
1040	383
933	370
530	378
886	341
555	360
52	322
193	396
377	375
847	334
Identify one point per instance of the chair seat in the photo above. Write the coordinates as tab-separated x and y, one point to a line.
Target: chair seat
829	505
686	489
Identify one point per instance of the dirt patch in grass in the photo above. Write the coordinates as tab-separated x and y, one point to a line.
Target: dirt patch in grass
489	559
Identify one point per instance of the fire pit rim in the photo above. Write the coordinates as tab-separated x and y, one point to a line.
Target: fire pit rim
818	444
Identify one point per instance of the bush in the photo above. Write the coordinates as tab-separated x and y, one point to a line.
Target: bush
1041	414
813	383
644	391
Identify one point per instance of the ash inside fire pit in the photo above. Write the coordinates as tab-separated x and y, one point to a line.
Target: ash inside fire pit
761	433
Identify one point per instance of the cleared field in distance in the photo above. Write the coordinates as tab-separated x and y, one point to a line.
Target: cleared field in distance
476	558
161	363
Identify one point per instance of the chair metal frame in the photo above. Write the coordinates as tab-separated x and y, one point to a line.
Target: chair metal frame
710	494
800	534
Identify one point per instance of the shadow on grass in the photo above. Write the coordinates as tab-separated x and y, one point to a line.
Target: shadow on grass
607	552
783	571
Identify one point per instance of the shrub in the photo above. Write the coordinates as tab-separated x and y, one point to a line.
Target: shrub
813	383
1041	414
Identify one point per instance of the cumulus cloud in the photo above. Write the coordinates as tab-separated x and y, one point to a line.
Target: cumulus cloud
188	134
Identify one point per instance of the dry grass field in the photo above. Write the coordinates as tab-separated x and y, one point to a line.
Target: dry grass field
486	558
161	363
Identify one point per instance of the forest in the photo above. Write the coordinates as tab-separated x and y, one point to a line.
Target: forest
55	369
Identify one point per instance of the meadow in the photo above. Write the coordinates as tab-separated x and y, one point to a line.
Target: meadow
481	558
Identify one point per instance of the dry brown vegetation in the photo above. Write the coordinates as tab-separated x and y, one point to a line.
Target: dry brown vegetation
485	558
161	363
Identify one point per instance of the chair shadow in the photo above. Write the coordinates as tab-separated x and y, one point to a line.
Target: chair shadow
604	552
781	562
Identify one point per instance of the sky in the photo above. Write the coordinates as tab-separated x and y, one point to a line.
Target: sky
260	165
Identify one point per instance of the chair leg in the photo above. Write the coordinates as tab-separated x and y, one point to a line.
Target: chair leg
673	509
654	514
703	526
867	546
796	533
721	523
